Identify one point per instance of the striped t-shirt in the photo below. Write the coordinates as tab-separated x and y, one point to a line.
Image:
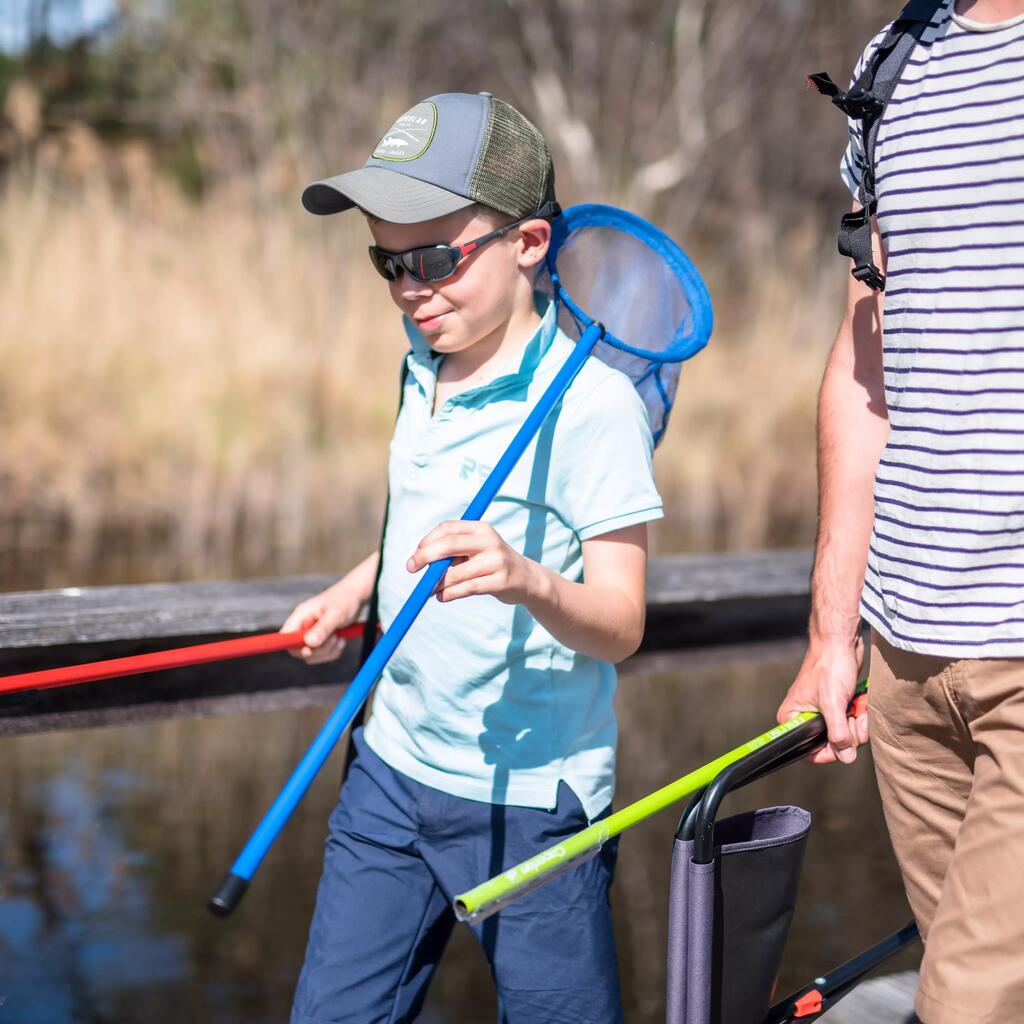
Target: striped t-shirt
945	571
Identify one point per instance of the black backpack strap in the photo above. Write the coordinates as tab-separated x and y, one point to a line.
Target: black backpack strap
866	101
369	640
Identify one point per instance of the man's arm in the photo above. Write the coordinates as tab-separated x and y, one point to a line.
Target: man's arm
852	429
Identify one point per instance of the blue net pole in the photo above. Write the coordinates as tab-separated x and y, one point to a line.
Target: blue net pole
234	884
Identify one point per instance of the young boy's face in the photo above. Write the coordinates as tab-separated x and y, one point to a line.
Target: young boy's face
480	297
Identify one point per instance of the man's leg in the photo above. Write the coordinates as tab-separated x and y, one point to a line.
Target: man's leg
973	967
381	922
924	762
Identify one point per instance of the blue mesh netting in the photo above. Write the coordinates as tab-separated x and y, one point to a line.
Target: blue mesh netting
610	266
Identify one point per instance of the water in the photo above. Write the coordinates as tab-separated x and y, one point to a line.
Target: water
111	839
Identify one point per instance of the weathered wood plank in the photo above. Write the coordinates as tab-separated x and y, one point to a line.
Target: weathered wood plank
195	690
691	579
274	683
98	614
697	603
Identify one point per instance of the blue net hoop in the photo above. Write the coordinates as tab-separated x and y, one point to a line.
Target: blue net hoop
609	266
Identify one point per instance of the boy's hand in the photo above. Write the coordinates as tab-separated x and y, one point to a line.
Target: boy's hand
320	616
484	563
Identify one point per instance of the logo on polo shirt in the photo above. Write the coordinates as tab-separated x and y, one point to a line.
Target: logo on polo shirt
410	136
470	468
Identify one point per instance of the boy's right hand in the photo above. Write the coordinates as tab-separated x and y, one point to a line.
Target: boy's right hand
320	616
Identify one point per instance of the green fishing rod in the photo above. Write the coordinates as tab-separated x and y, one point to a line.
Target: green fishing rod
490	896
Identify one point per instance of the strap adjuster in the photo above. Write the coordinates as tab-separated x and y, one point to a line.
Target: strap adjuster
870	275
855	242
858	103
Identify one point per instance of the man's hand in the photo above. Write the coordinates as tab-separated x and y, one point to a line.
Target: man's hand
483	562
825	683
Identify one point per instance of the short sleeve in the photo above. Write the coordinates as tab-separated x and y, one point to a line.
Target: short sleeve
605	459
852	167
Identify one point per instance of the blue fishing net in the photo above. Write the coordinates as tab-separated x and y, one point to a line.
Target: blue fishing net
609	266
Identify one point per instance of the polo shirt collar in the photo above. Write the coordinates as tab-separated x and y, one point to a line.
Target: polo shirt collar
424	361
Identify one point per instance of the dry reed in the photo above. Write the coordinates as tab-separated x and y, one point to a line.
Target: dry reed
203	391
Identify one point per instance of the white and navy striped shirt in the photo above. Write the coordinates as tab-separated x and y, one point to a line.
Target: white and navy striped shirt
945	569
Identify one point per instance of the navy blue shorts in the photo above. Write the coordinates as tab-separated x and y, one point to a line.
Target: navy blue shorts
397	853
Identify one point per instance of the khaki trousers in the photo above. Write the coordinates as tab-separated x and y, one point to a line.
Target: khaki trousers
947	738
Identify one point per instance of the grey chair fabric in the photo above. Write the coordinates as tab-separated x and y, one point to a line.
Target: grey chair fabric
728	920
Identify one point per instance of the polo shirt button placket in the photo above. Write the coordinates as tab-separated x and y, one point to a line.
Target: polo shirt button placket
420	458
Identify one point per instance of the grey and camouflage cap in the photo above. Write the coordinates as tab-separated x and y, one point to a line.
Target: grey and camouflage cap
443	154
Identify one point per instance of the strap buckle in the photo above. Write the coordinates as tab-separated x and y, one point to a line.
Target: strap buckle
858	103
855	242
870	275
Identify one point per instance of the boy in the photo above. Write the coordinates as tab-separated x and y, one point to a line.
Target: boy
493	731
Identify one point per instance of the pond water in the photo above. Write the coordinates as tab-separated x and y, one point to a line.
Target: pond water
112	838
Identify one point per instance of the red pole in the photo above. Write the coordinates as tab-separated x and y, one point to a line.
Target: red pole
200	654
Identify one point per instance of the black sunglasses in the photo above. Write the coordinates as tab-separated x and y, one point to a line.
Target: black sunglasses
436	262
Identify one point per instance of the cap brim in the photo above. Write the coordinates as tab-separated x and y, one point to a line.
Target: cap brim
383	193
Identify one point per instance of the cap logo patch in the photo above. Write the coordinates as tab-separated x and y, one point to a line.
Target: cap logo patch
410	136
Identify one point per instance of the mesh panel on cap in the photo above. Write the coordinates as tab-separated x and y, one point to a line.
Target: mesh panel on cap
514	173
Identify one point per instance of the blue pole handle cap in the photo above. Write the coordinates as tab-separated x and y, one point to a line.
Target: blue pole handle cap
228	895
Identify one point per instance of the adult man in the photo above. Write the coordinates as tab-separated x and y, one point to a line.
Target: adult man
921	511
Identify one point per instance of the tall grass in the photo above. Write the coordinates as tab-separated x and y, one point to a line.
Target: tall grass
201	391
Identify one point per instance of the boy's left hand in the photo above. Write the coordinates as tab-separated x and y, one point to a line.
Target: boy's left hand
484	563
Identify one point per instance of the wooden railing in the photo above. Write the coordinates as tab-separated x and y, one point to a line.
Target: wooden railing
695	603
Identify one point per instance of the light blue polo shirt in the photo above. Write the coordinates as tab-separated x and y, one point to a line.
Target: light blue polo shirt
480	700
